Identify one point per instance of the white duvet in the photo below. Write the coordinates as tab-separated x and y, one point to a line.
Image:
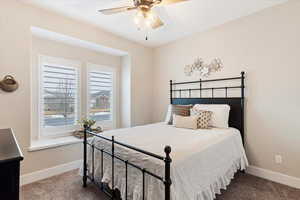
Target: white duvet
203	161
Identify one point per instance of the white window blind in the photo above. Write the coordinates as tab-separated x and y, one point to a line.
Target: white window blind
100	95
59	95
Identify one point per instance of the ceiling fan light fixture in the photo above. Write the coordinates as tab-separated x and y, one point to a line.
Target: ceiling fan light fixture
139	18
148	23
144	19
150	16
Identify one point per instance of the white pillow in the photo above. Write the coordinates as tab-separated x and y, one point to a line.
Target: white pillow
169	114
189	122
220	114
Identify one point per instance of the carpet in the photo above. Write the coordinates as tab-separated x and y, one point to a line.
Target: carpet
68	186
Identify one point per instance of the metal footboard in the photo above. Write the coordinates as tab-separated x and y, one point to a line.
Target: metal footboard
113	192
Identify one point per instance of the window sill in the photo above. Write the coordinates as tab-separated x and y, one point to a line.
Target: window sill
53	142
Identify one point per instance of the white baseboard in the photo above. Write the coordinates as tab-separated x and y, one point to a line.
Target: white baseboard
274	176
256	171
46	173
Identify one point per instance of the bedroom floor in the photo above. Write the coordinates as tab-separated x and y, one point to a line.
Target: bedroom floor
68	187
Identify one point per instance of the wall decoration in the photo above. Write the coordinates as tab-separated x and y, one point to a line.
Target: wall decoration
9	84
202	68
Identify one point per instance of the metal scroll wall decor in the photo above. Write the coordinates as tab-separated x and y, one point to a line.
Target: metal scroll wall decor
9	84
203	69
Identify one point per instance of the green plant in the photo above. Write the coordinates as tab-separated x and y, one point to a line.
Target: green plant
88	122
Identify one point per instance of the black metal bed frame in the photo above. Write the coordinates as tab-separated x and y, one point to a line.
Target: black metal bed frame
114	193
237	104
236	120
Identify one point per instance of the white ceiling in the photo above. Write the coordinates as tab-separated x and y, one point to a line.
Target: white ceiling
180	19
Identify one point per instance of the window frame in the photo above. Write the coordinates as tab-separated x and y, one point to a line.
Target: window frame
60	131
106	124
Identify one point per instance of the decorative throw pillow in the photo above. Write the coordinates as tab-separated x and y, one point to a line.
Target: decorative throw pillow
183	110
204	118
189	122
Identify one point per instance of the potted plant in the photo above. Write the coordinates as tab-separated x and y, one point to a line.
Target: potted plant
89	123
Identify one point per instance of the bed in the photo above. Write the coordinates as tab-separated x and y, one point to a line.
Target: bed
202	162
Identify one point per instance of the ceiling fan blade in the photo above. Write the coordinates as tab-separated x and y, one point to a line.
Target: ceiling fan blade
157	23
168	2
111	11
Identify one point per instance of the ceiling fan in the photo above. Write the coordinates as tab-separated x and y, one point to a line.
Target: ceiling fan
145	17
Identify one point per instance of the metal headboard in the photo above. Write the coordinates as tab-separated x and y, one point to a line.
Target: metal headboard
236	117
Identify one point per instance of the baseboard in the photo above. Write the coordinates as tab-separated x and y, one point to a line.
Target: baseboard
274	176
49	172
256	171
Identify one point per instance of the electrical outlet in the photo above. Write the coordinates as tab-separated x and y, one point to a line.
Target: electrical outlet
278	159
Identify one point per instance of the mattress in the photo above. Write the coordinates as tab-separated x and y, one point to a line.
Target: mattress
203	161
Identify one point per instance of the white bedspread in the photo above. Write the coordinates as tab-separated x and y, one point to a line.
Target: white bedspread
204	161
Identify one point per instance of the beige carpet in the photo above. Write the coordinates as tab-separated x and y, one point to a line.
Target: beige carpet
68	187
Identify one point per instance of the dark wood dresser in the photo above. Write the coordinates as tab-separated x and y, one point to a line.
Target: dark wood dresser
10	158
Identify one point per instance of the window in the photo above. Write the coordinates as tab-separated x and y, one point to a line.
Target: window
59	96
101	94
58	99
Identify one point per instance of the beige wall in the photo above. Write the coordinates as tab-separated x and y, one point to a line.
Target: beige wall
15	55
267	46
